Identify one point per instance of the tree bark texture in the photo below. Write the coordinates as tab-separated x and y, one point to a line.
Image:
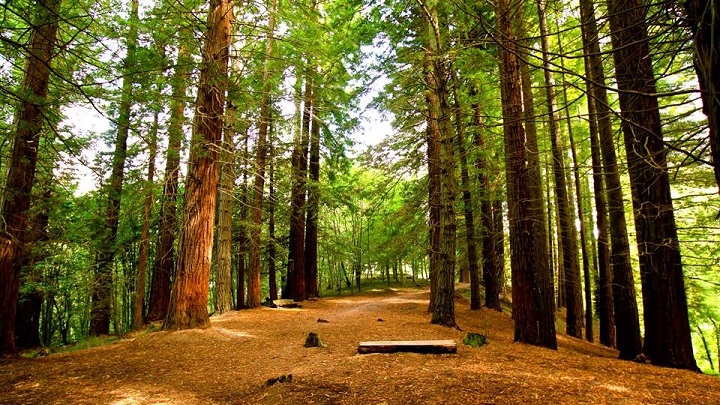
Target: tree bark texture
165	251
296	288
571	268
468	205
23	161
140	280
102	297
667	329
256	209
527	307
223	262
704	20
188	303
313	207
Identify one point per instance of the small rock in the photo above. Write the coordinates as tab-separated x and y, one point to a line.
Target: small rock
380	320
321	320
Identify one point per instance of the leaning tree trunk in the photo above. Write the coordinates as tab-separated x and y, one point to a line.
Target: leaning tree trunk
667	329
256	209
21	176
165	250
102	296
188	303
571	268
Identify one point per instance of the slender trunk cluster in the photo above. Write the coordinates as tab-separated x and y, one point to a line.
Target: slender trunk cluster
102	295
256	209
165	250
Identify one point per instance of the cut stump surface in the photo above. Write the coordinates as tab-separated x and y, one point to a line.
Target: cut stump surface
415	346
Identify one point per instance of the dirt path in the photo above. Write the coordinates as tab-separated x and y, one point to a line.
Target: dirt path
231	361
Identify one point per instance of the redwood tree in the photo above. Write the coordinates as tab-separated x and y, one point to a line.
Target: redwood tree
188	303
29	121
667	329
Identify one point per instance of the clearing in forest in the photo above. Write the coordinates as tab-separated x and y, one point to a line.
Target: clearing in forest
246	357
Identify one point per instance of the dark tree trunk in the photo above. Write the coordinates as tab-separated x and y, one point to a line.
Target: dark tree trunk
256	210
491	276
242	234
591	49
571	268
189	299
296	288
29	121
526	254
27	322
467	202
313	206
583	221
165	251
704	19
140	281
271	249
224	240
667	330
539	260
102	296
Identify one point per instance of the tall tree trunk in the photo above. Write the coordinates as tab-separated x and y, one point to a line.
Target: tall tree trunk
256	209
102	296
313	207
704	21
604	287
271	248
667	329
188	303
27	321
140	281
165	251
296	288
467	201
528	307
587	273
242	233
571	267
29	121
622	301
542	272
223	262
491	276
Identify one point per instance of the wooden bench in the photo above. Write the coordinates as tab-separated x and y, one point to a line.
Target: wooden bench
414	346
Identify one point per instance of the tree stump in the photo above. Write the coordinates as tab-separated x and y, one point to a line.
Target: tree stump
313	340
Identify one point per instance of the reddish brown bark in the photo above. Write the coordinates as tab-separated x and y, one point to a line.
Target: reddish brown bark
256	209
667	329
23	161
189	299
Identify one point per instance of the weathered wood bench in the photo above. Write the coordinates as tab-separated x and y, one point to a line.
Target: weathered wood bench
414	346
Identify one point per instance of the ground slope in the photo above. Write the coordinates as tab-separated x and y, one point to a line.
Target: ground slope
232	361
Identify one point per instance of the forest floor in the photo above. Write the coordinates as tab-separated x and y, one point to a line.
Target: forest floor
232	361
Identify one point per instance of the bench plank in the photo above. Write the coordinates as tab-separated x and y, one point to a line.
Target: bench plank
415	346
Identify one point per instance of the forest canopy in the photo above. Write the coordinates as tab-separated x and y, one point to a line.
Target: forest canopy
163	161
